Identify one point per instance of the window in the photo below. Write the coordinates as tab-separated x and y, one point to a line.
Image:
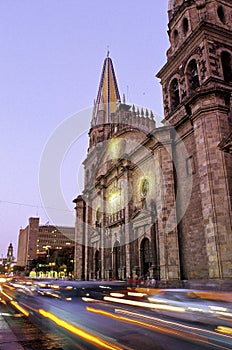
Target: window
190	166
174	94
192	75
87	176
185	26
175	36
226	66
221	14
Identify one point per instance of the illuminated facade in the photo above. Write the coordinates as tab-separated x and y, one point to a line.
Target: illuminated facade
157	200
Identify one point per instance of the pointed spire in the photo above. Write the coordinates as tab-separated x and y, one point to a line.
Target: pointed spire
108	95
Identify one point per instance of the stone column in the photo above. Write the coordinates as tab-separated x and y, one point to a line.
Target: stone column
127	224
79	237
166	209
214	173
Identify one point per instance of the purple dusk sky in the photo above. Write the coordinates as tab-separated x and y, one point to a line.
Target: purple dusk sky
52	54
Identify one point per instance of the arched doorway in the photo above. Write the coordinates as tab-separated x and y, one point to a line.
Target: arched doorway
145	257
116	259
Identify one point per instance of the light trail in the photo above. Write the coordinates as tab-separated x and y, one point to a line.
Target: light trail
189	336
79	332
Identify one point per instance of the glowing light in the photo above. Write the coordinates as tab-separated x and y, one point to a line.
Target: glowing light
218	308
55	286
89	299
115	200
224	330
197	309
136	294
117	295
114	148
146	305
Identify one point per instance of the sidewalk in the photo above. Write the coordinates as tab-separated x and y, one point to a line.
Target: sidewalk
8	341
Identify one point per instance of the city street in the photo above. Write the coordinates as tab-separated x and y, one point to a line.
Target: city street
85	323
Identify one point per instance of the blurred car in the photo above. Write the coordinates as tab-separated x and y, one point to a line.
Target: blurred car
188	305
71	289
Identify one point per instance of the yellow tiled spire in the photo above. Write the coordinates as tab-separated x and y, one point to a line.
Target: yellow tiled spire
108	96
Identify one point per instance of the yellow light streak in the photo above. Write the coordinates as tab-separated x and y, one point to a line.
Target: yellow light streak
55	286
6	295
186	328
136	294
79	332
9	287
161	329
21	309
224	330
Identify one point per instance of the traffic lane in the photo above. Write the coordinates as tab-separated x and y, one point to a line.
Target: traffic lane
36	308
44	302
129	326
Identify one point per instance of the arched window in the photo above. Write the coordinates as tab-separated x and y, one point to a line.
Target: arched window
174	94
93	139
192	75
185	25
226	66
221	14
175	36
93	172
87	176
98	218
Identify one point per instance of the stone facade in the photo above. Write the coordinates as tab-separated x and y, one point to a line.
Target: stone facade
157	201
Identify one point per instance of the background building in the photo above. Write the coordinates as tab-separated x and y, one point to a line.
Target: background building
37	240
157	201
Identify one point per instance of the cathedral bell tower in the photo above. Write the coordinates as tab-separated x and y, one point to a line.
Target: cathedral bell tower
10	257
197	87
107	102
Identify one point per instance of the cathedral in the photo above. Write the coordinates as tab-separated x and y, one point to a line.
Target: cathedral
157	200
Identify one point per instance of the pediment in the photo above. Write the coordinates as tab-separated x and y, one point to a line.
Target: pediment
141	217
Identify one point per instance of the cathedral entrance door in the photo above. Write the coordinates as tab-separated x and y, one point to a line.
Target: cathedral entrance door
97	266
145	256
116	259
